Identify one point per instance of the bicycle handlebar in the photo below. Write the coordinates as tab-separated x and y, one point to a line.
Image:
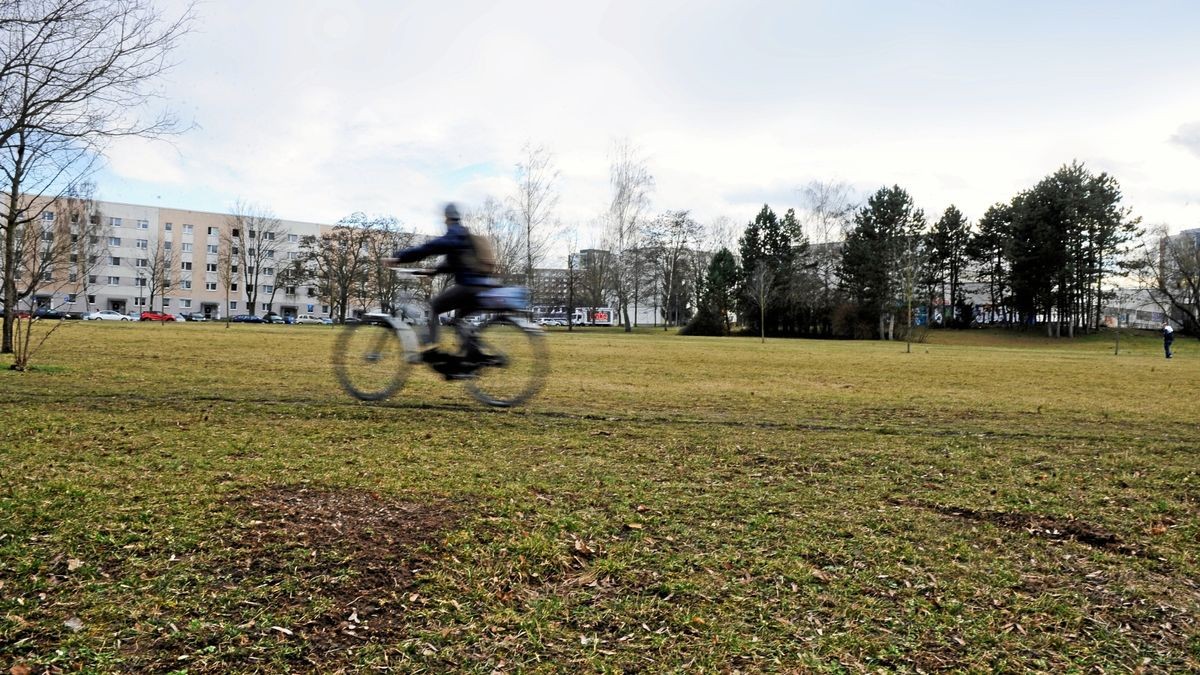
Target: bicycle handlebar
408	271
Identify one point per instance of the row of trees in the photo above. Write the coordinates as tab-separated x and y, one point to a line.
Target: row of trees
1049	257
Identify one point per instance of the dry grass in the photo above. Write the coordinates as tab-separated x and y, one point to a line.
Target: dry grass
194	497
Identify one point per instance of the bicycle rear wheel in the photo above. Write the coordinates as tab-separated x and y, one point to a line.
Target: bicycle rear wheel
370	360
513	362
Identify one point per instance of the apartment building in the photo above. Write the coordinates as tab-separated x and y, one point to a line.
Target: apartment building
133	237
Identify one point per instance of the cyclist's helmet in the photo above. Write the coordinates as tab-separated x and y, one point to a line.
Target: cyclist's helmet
452	214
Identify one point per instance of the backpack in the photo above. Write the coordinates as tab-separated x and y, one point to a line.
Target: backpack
482	258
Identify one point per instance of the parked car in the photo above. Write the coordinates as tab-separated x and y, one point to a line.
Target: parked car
327	321
308	318
193	316
106	315
156	316
247	318
272	317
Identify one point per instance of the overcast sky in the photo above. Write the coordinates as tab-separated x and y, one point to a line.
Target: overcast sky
316	109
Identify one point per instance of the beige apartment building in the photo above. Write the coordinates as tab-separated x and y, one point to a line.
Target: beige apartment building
119	280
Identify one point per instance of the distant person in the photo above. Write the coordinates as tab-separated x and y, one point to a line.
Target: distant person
1168	334
472	262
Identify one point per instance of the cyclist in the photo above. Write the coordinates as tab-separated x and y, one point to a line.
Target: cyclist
470	260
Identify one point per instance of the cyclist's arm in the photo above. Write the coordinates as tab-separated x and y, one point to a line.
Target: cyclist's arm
440	246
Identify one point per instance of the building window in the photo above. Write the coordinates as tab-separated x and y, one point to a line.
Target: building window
74	258
142	262
72	277
187	229
186	284
143	225
167	226
114	241
212	231
185	266
270	253
139	301
210	267
185	247
114	260
324	309
293	255
290	290
233	286
266	306
71	298
47	216
269	236
166	303
233	305
143	244
114	281
236	233
252	233
140	282
210	285
166	246
293	238
268	288
47	276
212	248
91	299
269	271
185	303
114	222
92	278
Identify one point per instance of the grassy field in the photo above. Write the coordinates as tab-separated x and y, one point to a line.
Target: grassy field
194	498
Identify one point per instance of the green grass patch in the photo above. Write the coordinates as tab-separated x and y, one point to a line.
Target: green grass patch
203	498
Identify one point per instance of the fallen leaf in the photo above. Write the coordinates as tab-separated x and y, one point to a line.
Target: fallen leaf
634	526
74	623
74	564
20	669
283	630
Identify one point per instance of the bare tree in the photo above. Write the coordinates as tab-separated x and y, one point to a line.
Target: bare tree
1170	265
73	75
760	288
385	288
829	212
534	205
339	260
90	247
631	183
226	272
670	239
156	272
501	225
254	235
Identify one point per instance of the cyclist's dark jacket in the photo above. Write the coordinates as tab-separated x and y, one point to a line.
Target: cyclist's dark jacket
457	247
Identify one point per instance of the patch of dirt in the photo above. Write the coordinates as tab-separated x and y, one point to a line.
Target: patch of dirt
354	554
379	544
1037	526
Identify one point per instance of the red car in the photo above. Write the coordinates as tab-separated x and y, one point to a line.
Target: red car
156	316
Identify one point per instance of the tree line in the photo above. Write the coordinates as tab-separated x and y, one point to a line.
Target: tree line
1047	258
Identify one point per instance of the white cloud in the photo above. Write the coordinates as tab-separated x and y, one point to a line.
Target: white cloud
318	109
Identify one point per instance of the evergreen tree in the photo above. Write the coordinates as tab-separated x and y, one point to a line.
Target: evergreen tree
989	250
718	298
876	253
947	247
766	243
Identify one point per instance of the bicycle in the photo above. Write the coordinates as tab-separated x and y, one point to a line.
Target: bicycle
502	358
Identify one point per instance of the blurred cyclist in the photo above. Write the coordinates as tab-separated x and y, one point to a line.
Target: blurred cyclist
469	258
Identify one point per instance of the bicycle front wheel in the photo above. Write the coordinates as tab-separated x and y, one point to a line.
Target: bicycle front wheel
513	362
370	360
